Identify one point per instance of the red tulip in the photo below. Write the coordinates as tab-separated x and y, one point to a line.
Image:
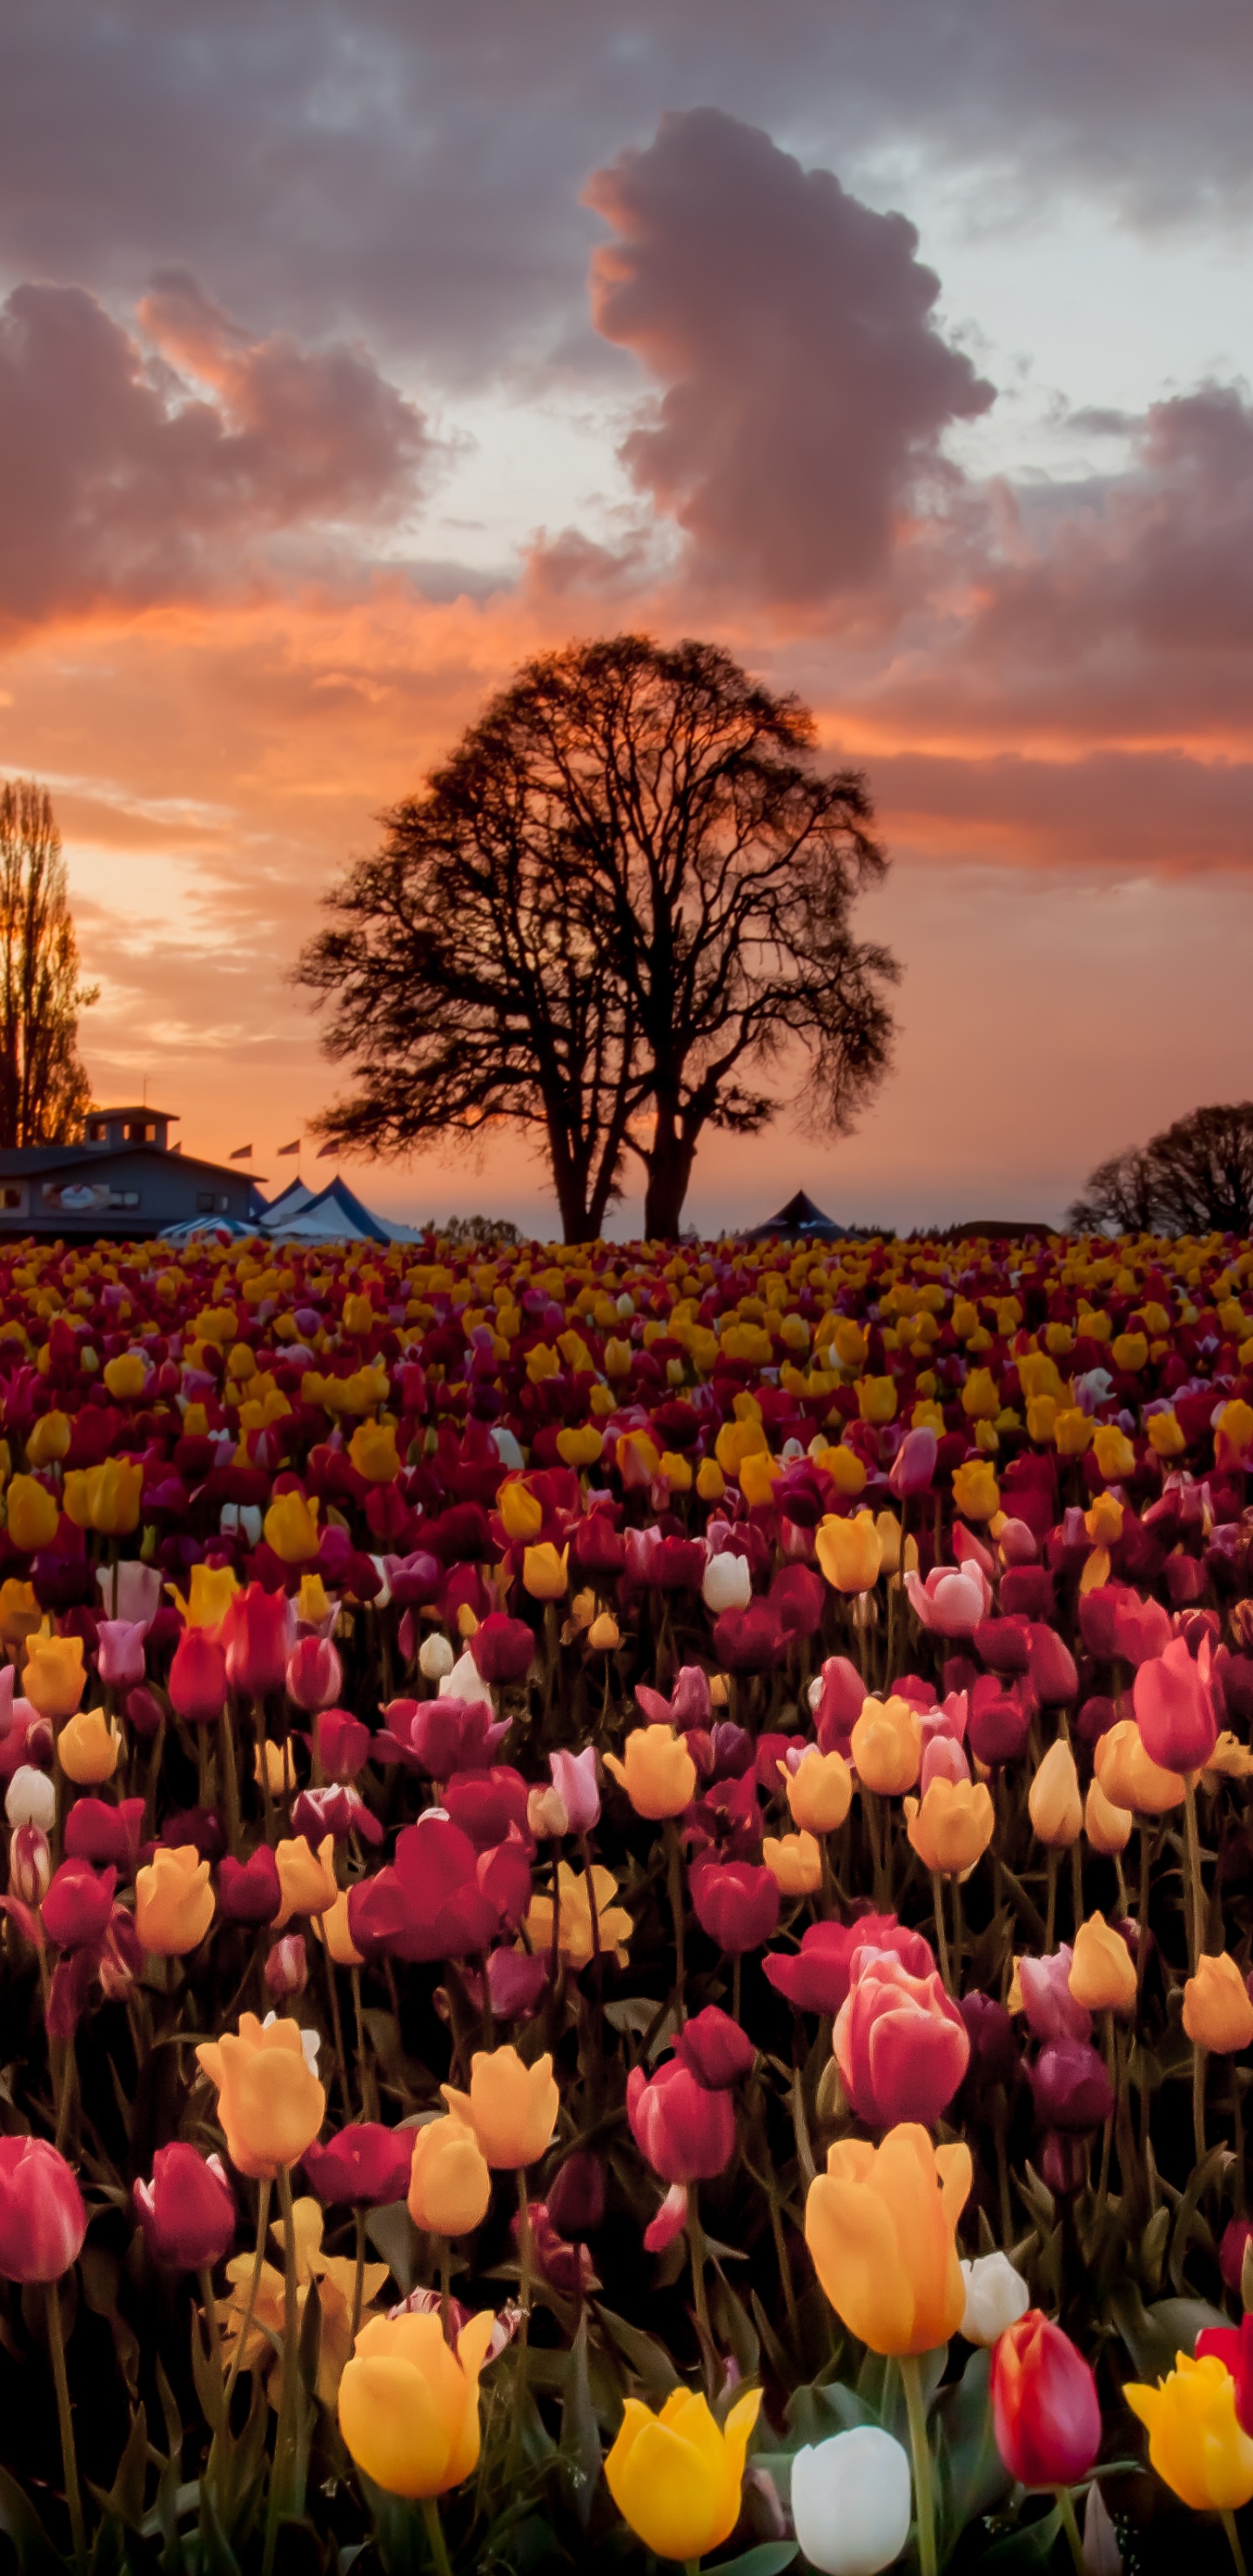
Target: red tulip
714	2049
366	2162
503	1649
257	1637
817	1977
450	1735
486	1803
735	1902
686	2132
315	1674
78	1904
429	1904
197	1682
1233	2346
249	1890
837	1699
749	1641
187	2211
1070	2087
343	1743
1045	2409
1174	1709
900	2043
42	2217
97	1832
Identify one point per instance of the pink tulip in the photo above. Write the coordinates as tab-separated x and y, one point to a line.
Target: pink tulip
900	2043
952	1601
121	1652
1174	1708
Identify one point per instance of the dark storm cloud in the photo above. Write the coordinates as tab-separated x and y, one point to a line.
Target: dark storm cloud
412	169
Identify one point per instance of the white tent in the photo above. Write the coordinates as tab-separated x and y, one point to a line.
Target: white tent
332	1215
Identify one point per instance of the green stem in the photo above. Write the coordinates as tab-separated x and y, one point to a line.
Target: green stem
1066	2508
284	2476
65	2417
924	2497
1196	1887
1228	2521
435	2536
358	2285
674	1873
230	1777
941	1936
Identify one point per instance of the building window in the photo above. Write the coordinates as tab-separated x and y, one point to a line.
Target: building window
140	1131
98	1132
123	1198
13	1195
204	1202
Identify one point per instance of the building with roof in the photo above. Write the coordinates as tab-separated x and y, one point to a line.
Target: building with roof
123	1180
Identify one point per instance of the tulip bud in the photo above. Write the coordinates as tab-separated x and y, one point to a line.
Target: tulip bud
604	1636
1053	1803
727	1584
450	2186
435	1657
31	1798
30	1863
1102	1973
1107	1827
1217	2013
996	2297
287	1967
851	2498
576	2196
314	1674
546	1815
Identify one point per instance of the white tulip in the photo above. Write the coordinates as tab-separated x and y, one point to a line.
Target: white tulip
507	1447
31	1798
435	1658
996	2297
728	1584
851	2501
464	1681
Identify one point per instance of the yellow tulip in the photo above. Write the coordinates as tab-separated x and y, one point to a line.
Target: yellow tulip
656	1770
1217	2013
373	1452
312	1601
89	1748
511	2108
976	1493
876	1400
55	1679
523	1517
881	2226
1195	2440
450	2183
953	1826
126	1376
306	1877
676	2477
711	1484
270	2102
1053	1801
981	1397
209	1596
575	1941
850	1552
886	1745
794	1862
20	1614
580	1446
1102	1976
1114	1454
48	1438
332	1928
409	2405
1072	1431
819	1791
33	1515
546	1571
1107	1827
173	1901
1128	1775
105	1498
291	1528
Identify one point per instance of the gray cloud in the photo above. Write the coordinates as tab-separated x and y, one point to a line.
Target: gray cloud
806	386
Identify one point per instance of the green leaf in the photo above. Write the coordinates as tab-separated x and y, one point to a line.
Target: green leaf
649	2359
767	2559
973	2477
19	2520
580	2436
813	2414
1022	2552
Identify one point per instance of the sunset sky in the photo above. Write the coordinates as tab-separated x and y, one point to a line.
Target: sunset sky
351	350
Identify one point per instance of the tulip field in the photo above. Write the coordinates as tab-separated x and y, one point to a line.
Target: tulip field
629	1906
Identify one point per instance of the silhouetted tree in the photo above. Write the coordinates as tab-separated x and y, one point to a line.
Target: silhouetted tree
44	1091
1118	1194
1193	1178
619	909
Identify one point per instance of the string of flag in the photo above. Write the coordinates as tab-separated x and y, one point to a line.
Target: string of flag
243	1153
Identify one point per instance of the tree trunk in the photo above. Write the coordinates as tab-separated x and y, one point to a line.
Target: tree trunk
669	1172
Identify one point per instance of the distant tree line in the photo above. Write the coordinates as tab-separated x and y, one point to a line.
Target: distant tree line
615	917
1194	1178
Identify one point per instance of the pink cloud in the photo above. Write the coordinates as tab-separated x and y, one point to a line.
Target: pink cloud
124	480
806	387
